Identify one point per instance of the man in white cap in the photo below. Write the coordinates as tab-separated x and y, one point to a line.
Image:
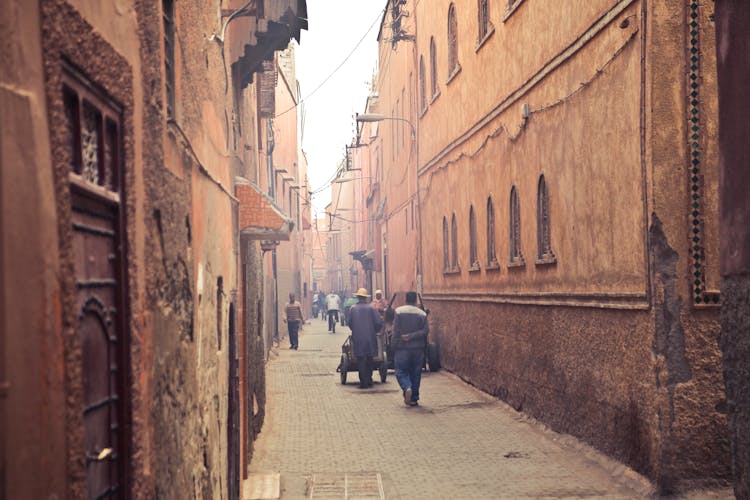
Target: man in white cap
365	323
379	302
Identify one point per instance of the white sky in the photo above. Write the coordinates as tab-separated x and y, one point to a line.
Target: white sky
335	27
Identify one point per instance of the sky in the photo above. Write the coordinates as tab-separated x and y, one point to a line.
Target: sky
335	28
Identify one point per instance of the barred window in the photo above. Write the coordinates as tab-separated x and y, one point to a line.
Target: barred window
473	258
454	244
169	70
491	250
433	67
516	257
93	134
446	251
452	41
484	19
544	241
422	88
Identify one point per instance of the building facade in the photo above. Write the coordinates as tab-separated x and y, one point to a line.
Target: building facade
733	42
566	193
575	272
129	353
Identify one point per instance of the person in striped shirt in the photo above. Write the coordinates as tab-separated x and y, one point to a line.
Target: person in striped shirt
293	319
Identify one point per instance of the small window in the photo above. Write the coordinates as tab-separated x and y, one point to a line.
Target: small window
169	69
433	68
545	255
93	134
484	19
454	244
491	249
516	257
446	251
422	86
453	65
473	258
219	310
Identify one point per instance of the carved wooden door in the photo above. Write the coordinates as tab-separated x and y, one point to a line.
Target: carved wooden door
97	243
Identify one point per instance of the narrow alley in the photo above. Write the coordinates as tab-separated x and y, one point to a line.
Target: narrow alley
554	195
324	440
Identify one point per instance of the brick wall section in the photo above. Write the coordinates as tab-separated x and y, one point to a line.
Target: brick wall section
256	211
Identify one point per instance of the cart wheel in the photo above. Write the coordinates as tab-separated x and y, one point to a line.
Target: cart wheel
433	357
344	368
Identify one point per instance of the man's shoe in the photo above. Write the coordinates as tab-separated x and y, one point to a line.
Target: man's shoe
407	397
413	403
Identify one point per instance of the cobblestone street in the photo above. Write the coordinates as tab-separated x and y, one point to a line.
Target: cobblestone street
325	440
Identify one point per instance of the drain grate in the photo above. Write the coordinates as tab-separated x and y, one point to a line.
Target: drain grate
364	486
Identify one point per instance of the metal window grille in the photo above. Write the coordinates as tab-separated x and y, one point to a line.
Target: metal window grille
491	251
473	259
452	40
169	64
93	135
544	243
446	252
484	18
515	226
422	87
454	243
433	67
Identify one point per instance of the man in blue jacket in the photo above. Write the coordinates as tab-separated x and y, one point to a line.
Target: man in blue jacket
409	337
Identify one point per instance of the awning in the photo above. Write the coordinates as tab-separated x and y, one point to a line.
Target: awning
278	22
260	218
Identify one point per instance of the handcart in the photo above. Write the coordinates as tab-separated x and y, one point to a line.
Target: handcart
349	360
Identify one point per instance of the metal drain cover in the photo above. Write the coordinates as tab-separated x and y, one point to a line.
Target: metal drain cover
360	486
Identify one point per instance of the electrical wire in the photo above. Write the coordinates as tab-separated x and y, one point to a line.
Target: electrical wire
304	99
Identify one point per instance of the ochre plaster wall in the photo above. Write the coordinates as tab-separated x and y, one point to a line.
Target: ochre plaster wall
396	84
32	363
606	343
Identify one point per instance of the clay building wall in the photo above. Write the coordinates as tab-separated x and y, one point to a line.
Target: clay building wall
589	299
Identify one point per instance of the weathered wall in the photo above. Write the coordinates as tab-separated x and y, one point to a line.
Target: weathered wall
66	34
32	374
189	215
607	125
396	88
733	44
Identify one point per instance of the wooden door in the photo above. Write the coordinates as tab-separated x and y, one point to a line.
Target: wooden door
97	237
95	243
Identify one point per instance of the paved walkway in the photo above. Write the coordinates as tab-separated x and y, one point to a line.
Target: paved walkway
327	440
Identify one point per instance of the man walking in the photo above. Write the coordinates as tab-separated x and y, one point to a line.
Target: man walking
293	318
333	304
408	339
365	323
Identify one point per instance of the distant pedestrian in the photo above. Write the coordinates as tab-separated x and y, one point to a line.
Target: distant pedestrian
333	304
379	302
322	305
365	323
409	337
293	318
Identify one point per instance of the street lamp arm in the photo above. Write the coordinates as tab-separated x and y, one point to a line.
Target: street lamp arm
373	117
